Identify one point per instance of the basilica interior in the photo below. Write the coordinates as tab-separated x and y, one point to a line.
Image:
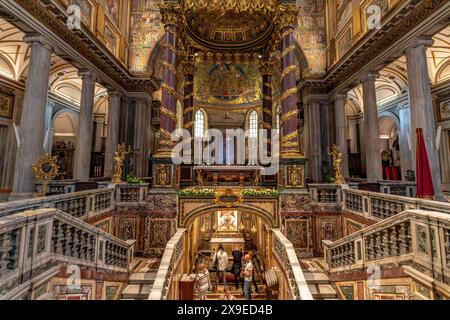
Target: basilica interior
354	100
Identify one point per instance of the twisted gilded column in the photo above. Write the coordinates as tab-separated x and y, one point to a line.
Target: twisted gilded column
288	120
168	111
188	105
266	69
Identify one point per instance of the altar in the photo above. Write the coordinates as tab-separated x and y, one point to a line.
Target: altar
229	244
226	173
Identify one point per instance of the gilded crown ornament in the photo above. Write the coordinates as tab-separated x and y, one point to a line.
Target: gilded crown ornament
45	170
337	156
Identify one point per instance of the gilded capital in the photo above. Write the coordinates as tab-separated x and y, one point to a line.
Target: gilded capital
287	16
169	14
188	67
266	67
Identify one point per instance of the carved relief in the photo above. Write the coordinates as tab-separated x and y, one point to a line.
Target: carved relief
162	203
295	203
160	233
127	229
297	232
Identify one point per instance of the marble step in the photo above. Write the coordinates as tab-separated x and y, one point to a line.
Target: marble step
322	291
143	278
136	291
316	278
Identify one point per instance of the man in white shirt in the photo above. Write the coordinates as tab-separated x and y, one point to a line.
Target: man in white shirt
248	277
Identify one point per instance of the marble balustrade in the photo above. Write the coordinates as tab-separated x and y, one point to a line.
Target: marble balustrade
404	239
35	242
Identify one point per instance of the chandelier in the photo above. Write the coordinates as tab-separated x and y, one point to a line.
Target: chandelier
232	6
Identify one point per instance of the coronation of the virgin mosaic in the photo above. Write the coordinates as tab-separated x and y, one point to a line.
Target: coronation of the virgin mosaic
224	150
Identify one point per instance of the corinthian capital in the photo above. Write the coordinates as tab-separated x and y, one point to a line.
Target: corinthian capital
169	13
287	16
266	67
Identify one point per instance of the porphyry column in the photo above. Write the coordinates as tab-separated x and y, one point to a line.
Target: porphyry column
288	121
83	148
372	131
168	110
32	121
266	69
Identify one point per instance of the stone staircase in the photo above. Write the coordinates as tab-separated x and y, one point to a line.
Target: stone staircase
141	280
317	280
237	293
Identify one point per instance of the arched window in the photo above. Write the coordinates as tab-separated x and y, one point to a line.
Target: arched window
199	124
253	124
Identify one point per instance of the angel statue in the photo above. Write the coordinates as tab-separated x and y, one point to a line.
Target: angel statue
119	158
337	155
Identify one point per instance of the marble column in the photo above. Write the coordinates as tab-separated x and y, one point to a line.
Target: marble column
83	147
362	146
140	137
406	158
315	143
12	142
99	124
32	122
353	135
372	131
290	138
48	133
266	69
341	141
168	109
306	137
422	114
112	137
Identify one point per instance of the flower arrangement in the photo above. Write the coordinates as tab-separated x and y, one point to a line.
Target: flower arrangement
197	192
131	179
260	193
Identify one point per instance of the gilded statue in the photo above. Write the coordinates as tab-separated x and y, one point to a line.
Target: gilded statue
162	173
200	179
337	156
119	160
295	174
256	178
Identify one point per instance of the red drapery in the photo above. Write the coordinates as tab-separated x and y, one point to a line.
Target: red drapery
423	172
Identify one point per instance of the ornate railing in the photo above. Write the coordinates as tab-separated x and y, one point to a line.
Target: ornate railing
81	205
170	261
398	188
285	254
378	206
58	187
33	242
325	193
128	193
414	238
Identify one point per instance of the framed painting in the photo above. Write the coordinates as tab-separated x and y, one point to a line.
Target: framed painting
6	106
444	110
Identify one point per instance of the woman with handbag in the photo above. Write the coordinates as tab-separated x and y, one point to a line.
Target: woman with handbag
202	281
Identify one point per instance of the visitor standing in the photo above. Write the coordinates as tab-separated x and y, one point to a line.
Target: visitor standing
237	265
248	277
220	262
202	281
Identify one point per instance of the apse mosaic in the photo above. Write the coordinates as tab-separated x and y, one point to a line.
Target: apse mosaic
227	83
